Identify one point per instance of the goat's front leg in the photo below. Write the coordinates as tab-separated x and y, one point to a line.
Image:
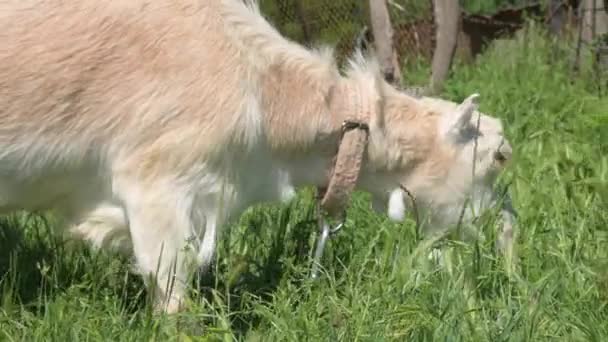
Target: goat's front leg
160	226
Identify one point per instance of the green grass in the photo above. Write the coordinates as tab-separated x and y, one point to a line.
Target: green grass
378	285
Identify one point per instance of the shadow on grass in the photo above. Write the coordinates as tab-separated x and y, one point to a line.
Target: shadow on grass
37	264
279	247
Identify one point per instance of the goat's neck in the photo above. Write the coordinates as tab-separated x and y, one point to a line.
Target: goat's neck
302	123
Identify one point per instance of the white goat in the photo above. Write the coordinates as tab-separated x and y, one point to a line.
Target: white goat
161	120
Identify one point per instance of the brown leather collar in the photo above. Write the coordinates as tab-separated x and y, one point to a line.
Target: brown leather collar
356	103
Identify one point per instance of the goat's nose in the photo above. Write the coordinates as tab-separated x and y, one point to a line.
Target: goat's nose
504	152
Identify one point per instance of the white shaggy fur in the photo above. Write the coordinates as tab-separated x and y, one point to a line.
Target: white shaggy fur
150	124
396	205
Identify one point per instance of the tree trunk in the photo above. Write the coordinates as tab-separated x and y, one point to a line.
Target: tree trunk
447	18
383	40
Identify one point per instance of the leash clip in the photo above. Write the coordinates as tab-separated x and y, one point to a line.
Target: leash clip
326	232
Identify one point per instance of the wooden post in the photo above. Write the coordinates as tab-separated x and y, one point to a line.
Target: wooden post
303	22
447	18
556	13
383	40
595	20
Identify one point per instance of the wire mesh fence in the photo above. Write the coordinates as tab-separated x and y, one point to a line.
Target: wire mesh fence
586	26
344	23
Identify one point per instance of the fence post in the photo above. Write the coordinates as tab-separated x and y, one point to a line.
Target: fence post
447	19
595	20
303	22
594	33
556	15
383	40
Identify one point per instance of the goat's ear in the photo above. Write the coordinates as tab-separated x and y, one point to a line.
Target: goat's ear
453	123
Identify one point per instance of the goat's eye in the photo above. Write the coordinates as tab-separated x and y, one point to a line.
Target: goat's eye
471	133
475	134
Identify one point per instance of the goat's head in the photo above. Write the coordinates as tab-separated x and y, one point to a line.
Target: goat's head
440	151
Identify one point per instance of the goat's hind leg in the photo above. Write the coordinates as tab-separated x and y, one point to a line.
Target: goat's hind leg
104	226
